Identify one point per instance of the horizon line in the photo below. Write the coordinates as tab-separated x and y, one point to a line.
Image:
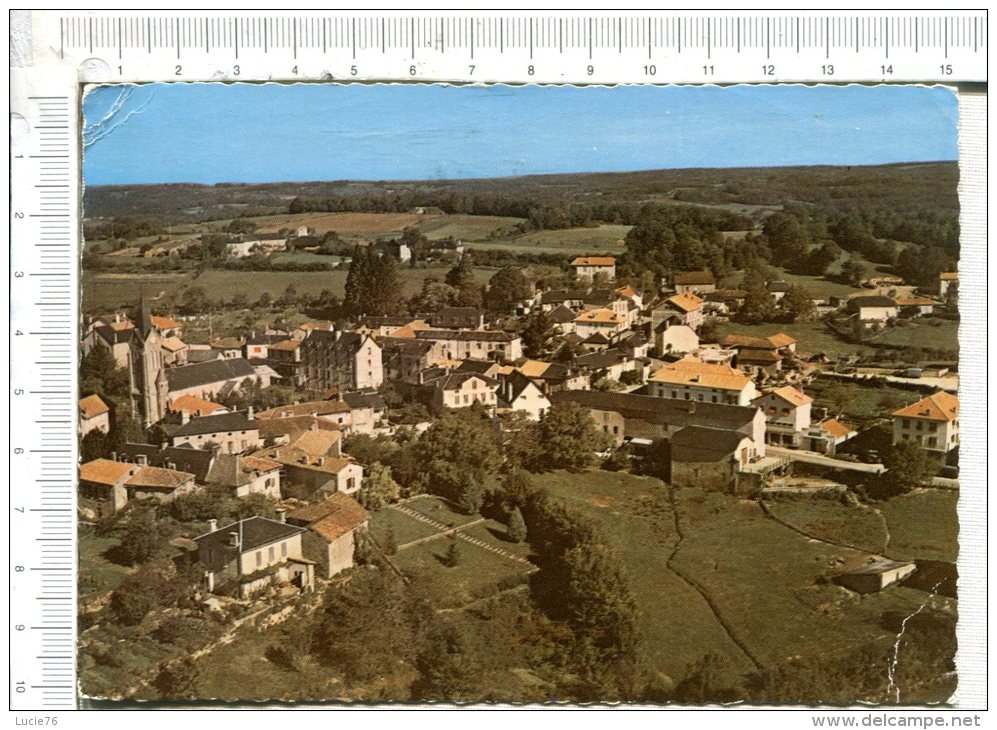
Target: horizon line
522	177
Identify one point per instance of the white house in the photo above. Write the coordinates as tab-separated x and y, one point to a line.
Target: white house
787	415
518	393
874	309
692	379
94	415
932	423
588	267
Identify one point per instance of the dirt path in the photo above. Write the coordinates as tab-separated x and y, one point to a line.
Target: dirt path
771	515
446	530
728	629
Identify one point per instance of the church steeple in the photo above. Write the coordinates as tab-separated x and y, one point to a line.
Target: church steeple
144	318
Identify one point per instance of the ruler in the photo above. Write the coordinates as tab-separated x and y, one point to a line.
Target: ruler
714	47
53	52
43	401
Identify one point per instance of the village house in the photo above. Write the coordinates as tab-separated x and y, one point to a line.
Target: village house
777	289
694	282
194	406
406	357
874	309
710	458
947	279
242	246
518	393
643	420
461	390
251	555
598	322
932	423
212	379
314	466
787	415
572	299
174	351
386	326
588	267
106	485
95	415
913	306
456	318
825	437
335	412
473	344
234	432
334	528
305	329
243	475
691	379
116	336
876	575
611	363
347	360
672	338
229	347
684	309
724	301
285	357
563	319
551	377
280	431
368	411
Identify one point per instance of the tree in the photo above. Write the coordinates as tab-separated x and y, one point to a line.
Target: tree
141	538
569	437
452	557
434	296
854	271
194	300
538	335
470	496
461	278
797	304
506	288
459	449
907	466
94	445
448	667
99	373
381	291
356	277
378	489
364	626
788	239
516	527
390	541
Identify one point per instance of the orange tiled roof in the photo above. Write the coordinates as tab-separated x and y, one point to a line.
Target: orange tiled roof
949	276
835	428
173	344
600	316
534	368
626	291
791	395
594	261
195	406
781	339
157	478
309	408
687	302
165	323
92	406
690	371
332	518
914	301
940	406
259	463
105	471
289	345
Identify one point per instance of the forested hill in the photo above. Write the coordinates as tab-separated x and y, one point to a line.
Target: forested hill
916	190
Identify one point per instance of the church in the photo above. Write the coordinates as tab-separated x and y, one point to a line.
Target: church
149	385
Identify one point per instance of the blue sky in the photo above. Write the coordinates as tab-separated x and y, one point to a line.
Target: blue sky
210	133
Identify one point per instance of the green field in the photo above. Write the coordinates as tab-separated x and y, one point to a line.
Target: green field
765	582
812	336
923	524
935	334
476	575
440	510
603	237
106	291
466	227
865	402
385	521
830	520
676	623
770	584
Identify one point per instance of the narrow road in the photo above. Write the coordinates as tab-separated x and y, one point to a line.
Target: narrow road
812	457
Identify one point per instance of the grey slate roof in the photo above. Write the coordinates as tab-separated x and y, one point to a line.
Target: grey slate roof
365	399
183	458
871	301
205	373
696	443
663	411
236	421
254	532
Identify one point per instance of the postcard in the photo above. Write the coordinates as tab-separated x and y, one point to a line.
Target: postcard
406	393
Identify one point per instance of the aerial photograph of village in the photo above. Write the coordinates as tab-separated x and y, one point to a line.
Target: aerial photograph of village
523	395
